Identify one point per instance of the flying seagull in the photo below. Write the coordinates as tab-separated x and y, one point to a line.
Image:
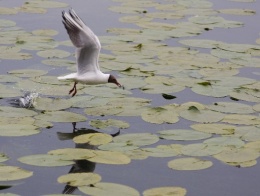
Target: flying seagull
87	52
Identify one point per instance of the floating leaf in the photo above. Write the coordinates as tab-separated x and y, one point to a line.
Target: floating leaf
159	115
9	173
61	116
45	32
237	11
27	72
225	142
79	179
18	130
214	128
137	139
104	110
160	191
183	134
160	152
200	149
48	104
189	164
54	53
103	124
105	188
237	155
3	157
230	107
248	133
121	147
241	119
73	153
201	115
107	157
45	160
15	112
93	138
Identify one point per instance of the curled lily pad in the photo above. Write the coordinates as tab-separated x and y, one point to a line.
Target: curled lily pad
165	191
189	164
9	173
79	179
93	138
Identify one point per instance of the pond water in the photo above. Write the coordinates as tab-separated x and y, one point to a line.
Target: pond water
222	178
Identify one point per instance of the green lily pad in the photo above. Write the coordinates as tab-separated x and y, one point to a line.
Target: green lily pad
225	142
48	104
159	115
45	160
54	53
10	112
93	138
61	116
103	124
237	155
230	107
73	153
107	157
183	134
9	173
79	179
170	190
18	130
27	72
189	164
200	149
105	188
215	128
201	115
137	139
241	119
3	157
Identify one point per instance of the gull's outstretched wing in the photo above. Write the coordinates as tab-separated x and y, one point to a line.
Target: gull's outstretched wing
86	42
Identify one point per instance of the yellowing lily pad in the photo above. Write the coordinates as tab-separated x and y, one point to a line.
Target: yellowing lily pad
214	128
189	164
103	124
18	130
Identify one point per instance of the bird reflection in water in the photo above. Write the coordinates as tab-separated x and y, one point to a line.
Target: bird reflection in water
80	166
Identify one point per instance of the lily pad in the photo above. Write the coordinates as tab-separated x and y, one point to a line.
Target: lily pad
137	139
18	130
104	124
230	107
105	188
225	142
54	53
183	134
93	138
160	191
237	155
3	157
200	149
27	72
214	128
9	173
189	164
159	115
45	160
61	116
79	179
48	104
242	119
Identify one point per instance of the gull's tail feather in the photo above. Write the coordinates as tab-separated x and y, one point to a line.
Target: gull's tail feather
68	77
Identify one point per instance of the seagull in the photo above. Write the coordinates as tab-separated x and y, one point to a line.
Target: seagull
87	53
